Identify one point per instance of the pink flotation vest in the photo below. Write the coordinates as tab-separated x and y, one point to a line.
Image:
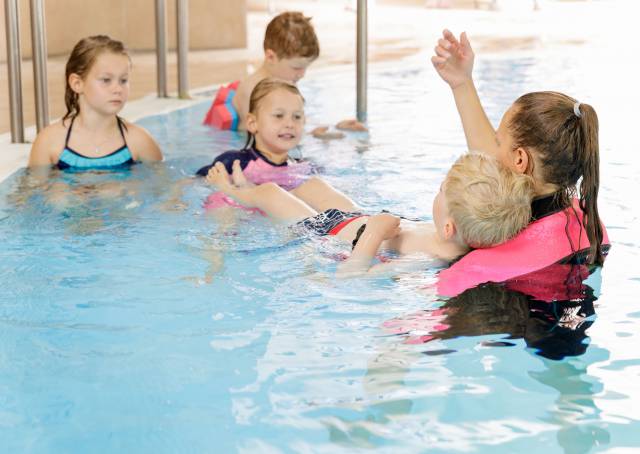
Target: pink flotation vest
222	114
542	243
259	171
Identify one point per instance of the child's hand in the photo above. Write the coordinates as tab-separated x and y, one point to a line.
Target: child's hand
322	132
454	59
386	224
351	125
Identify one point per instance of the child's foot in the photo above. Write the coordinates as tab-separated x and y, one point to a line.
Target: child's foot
237	176
219	177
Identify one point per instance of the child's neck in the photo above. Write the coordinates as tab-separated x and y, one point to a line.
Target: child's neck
276	158
445	249
94	122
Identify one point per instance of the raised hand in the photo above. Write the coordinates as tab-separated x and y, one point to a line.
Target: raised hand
453	59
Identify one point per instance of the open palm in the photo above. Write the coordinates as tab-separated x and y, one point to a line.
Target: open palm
453	59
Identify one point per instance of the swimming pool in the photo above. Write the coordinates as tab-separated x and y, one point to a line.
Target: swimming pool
134	323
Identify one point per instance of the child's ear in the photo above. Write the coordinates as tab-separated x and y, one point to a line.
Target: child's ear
252	123
449	229
270	56
75	82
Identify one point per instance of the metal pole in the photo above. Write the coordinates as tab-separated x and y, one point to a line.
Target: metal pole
39	55
182	16
161	47
361	61
14	61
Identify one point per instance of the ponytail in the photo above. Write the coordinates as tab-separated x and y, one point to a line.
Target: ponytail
589	156
564	136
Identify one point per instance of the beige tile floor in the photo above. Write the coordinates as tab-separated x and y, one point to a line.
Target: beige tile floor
397	29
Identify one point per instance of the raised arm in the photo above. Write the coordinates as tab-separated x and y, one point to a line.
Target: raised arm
453	60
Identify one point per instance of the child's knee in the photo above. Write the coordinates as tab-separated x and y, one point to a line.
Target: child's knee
315	183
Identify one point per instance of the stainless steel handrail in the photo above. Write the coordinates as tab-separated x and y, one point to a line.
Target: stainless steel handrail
182	18
39	52
161	48
14	62
361	61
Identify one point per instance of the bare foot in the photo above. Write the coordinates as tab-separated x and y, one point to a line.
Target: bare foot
219	177
237	176
351	125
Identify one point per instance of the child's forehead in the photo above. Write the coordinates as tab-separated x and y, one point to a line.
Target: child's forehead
282	96
111	62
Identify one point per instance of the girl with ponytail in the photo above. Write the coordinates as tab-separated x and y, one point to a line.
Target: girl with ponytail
547	135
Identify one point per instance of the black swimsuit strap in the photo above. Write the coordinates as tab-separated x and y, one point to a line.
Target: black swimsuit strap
121	128
66	140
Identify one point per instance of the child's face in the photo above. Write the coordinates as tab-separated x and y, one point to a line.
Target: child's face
105	88
278	124
289	69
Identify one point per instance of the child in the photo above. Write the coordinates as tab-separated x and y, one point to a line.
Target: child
91	135
480	204
275	124
290	46
547	135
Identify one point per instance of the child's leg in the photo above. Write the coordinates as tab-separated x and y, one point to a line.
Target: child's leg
321	196
269	197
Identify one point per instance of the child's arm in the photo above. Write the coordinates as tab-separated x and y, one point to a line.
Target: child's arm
241	101
454	63
43	148
379	228
142	145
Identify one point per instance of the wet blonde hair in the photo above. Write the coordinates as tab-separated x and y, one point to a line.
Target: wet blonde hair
269	85
291	35
488	203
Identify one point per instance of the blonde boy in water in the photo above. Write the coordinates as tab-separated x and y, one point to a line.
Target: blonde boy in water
480	204
290	46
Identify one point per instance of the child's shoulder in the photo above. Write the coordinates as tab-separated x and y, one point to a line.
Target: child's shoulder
49	143
246	85
141	143
54	136
244	156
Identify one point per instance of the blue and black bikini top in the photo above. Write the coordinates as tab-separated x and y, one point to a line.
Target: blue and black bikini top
72	160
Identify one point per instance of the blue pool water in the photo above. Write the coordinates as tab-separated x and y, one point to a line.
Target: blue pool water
130	322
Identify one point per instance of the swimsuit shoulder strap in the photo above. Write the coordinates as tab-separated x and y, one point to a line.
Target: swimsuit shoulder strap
121	127
66	140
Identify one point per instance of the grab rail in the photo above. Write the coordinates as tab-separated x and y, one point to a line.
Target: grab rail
161	48
361	61
39	52
14	61
182	49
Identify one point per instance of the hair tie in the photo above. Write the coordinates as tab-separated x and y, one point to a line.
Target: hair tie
576	109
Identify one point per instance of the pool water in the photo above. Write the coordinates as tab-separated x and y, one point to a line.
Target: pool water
132	320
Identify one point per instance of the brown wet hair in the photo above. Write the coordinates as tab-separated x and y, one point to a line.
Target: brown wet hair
291	35
565	150
83	56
